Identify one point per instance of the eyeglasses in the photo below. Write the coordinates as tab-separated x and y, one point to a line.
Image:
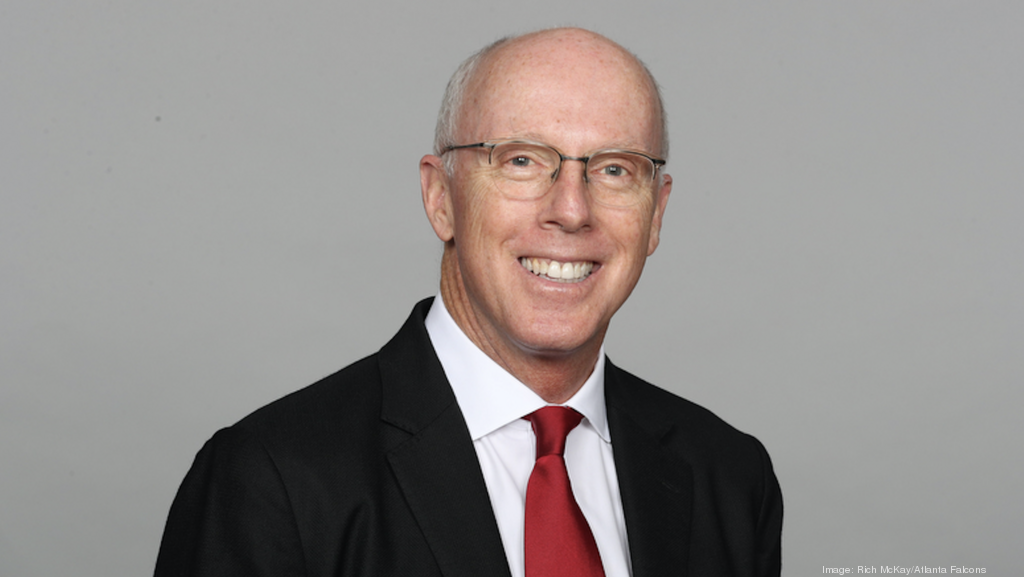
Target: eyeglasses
525	170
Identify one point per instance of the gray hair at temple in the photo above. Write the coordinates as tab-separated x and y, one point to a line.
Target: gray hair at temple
454	93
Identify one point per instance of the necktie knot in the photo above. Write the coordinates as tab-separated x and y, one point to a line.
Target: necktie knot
552	424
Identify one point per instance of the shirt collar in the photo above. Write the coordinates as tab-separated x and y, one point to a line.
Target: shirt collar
488	395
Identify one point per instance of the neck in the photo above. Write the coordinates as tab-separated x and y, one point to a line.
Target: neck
554	375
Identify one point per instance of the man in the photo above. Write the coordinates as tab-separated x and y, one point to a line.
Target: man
435	456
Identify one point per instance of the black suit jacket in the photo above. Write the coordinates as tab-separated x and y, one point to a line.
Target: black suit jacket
372	472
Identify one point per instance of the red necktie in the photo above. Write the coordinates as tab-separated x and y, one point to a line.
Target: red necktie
558	539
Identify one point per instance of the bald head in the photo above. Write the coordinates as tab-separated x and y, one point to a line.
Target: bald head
571	62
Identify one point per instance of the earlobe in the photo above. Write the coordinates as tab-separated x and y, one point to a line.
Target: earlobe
436	203
659	212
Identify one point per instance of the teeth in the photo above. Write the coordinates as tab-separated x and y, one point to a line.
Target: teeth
558	271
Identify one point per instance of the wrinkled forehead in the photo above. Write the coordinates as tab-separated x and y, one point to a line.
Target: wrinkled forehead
586	89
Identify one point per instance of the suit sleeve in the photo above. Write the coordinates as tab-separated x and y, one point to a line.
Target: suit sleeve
232	516
769	523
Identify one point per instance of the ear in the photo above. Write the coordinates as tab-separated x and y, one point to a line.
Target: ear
436	201
659	211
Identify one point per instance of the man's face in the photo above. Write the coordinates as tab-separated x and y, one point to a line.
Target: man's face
578	101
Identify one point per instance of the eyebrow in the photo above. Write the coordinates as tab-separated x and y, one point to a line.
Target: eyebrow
532	136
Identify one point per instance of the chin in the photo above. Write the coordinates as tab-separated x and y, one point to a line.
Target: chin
560	339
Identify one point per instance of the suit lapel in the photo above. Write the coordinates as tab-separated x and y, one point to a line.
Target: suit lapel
656	485
436	466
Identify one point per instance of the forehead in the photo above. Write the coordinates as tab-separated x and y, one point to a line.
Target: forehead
573	91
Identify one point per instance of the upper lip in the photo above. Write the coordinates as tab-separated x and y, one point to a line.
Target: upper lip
560	258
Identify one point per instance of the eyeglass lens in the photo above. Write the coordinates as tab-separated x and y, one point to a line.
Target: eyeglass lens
527	171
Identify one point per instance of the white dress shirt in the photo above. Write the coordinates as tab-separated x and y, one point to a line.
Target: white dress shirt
494	403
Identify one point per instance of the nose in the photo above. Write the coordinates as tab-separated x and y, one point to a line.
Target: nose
568	202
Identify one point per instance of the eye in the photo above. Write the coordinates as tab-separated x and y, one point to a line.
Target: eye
523	159
617	167
614	170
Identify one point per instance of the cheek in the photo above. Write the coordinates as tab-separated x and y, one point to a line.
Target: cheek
484	222
469	201
645	222
632	229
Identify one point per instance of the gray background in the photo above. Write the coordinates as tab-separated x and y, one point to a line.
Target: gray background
206	205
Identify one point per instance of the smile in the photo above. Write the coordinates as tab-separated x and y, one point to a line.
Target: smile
557	271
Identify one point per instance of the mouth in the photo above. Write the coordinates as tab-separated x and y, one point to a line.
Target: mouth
553	270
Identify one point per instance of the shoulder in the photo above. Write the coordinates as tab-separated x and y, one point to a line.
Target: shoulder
348	416
349	391
700	436
258	489
322	418
736	498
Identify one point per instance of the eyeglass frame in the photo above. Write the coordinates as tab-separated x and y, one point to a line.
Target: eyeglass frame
491	144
